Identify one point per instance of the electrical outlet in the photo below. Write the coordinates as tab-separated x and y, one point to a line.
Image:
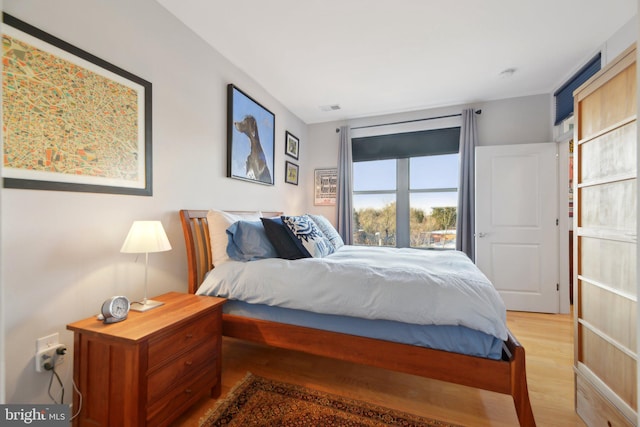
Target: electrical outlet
49	352
51	357
47	342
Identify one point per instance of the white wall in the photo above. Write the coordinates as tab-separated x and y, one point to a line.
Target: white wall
508	121
620	40
323	144
60	250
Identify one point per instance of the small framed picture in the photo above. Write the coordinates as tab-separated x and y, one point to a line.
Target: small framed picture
325	187
291	173
291	145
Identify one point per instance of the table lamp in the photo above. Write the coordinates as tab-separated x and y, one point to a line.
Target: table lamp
145	237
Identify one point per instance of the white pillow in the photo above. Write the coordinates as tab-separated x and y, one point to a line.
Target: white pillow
219	221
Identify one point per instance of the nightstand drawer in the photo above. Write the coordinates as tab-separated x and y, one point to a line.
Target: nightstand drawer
170	376
149	369
165	347
165	409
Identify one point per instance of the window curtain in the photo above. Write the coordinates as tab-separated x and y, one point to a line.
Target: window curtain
344	201
465	230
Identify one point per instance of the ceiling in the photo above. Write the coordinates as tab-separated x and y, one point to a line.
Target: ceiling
374	57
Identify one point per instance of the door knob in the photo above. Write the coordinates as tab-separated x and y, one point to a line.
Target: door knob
482	234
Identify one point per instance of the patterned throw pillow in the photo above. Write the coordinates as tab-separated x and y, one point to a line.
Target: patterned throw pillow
307	236
328	230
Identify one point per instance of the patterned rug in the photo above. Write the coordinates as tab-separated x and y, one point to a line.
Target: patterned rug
257	401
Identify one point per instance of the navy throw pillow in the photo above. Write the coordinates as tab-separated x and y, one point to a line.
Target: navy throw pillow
280	239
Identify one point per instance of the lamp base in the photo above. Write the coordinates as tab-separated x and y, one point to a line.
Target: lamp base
147	305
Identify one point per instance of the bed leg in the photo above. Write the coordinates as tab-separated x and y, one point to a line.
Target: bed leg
520	391
523	408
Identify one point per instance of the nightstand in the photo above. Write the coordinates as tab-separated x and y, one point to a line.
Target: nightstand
151	367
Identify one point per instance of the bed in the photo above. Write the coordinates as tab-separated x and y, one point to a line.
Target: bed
505	374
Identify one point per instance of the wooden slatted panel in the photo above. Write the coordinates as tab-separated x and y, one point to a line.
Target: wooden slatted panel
611	154
605	253
611	365
609	205
596	305
202	247
610	103
595	409
609	262
196	236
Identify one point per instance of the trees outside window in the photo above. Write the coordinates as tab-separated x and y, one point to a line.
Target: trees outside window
406	202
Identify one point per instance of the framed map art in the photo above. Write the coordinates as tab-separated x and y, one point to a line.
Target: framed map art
72	121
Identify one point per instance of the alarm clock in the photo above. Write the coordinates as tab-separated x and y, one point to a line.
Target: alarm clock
115	309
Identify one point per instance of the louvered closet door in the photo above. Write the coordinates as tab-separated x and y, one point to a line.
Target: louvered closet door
605	255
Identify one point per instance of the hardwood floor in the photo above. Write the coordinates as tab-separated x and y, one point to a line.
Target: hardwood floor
547	339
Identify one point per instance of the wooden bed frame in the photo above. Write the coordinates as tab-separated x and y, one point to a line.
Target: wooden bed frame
506	376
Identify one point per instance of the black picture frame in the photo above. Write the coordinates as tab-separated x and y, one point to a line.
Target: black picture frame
290	173
250	138
291	145
92	143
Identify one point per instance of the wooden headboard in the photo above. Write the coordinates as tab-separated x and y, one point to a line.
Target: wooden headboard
197	241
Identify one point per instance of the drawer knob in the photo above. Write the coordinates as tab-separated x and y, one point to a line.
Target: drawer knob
188	363
189	335
188	391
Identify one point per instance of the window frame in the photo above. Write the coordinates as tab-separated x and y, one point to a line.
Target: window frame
403	191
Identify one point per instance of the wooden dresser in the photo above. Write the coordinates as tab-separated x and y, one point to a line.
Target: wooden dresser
149	368
605	245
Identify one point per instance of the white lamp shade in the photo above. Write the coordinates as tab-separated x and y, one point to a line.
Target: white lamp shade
146	237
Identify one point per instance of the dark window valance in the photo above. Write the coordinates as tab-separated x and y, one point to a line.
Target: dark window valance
409	144
564	95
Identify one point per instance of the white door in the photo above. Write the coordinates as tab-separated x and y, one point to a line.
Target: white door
516	223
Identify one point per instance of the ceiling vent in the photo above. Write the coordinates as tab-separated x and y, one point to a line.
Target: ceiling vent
333	107
507	73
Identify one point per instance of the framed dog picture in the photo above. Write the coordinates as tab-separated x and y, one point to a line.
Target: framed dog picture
250	138
291	173
291	145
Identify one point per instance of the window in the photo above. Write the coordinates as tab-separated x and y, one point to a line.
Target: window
408	196
374	202
433	201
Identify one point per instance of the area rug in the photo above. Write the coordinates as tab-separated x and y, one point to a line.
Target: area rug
257	401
